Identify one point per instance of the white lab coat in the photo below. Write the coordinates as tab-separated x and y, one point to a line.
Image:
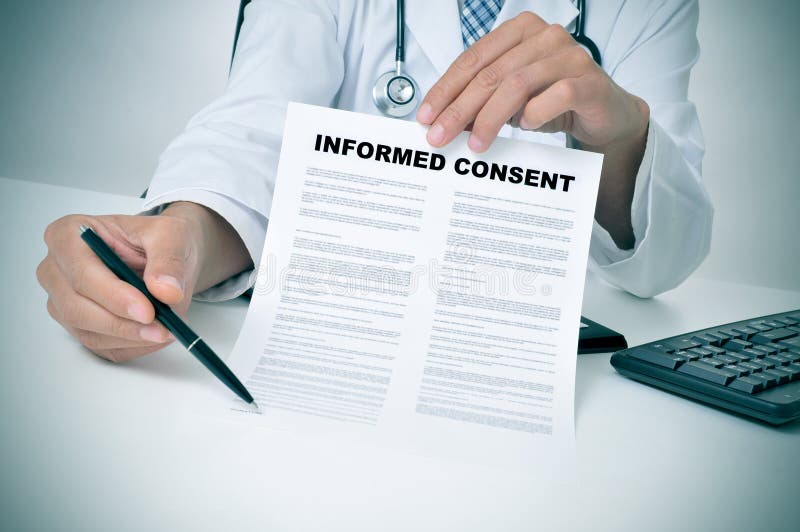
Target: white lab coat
330	53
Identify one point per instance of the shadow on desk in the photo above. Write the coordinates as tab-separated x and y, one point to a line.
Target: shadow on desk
165	365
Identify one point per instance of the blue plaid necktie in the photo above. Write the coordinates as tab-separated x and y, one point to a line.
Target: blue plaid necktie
477	18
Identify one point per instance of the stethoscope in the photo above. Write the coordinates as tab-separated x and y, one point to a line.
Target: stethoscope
396	94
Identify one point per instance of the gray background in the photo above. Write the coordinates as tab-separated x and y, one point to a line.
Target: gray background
93	90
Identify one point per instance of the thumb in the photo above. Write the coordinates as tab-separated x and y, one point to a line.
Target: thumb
171	260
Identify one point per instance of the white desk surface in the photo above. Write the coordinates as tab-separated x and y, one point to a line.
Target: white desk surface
87	444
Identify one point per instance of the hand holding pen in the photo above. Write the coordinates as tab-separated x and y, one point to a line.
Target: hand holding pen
111	317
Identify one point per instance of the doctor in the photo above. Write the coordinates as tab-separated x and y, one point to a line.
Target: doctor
527	78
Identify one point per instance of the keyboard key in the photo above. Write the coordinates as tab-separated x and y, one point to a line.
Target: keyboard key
738	370
686	355
774	335
784	321
714	361
701	352
793	370
768	381
732	333
663	348
761	363
720	338
751	367
777	360
747	385
782	376
790	343
746	331
766	349
792	355
707	339
715	350
707	372
760	327
682	344
753	353
741	357
653	356
736	344
727	359
795	317
775	324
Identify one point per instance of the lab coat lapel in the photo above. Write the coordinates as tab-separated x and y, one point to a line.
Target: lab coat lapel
561	12
436	26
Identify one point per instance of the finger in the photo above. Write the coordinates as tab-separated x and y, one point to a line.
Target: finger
95	341
123	354
171	257
109	347
562	122
561	97
92	279
100	342
470	62
465	108
75	311
516	90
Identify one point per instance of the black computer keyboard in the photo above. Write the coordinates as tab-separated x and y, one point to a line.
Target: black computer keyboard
751	367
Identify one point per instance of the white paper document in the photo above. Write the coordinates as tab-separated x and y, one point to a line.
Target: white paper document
422	299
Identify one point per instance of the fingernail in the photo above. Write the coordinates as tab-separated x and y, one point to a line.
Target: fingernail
475	144
138	313
523	124
425	114
170	280
436	134
153	333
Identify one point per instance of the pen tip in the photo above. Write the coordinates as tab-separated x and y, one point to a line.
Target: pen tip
255	408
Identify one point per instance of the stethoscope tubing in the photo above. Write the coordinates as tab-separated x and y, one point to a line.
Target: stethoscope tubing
580	36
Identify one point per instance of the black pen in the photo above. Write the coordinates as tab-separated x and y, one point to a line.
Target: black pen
167	316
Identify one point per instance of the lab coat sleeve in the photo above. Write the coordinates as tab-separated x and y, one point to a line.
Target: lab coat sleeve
250	225
671	211
227	156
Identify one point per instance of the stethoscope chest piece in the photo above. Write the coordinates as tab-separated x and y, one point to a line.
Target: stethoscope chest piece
395	94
